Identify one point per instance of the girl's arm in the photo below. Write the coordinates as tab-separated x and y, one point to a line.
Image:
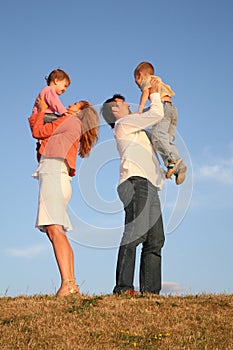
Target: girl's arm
53	102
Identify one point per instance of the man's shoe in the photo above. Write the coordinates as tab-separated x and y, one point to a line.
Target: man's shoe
129	292
180	175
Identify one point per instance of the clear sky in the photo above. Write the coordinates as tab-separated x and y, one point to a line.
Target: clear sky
99	44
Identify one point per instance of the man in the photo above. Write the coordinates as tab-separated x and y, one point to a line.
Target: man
140	179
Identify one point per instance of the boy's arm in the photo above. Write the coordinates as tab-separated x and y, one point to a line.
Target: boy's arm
143	100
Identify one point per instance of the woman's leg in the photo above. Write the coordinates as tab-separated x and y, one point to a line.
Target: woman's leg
65	259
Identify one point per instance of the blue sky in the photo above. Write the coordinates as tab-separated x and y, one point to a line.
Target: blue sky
99	44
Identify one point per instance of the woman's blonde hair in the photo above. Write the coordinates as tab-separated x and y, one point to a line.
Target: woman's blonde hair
90	127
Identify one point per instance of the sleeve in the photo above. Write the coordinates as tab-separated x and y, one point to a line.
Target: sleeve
53	101
135	122
39	129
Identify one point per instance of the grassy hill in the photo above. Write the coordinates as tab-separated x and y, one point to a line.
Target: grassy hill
200	322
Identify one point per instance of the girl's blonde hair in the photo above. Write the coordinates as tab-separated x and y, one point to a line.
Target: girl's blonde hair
90	127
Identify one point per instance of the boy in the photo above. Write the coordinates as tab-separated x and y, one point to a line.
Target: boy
163	133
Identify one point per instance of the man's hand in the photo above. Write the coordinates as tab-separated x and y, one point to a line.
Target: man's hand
154	85
41	104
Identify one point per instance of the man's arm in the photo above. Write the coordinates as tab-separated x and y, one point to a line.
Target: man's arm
136	122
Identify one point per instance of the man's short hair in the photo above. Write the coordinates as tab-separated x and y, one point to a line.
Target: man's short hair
106	109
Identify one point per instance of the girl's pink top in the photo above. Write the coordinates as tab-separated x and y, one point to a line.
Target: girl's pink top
51	98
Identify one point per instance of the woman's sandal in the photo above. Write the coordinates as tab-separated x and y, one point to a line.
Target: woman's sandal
72	288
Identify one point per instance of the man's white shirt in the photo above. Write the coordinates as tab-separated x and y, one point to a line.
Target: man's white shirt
136	152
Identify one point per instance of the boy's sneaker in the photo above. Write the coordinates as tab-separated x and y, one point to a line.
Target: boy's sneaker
180	175
172	168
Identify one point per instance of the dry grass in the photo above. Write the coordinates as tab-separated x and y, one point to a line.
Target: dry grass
201	322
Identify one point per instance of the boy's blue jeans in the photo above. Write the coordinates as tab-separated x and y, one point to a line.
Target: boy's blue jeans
143	224
163	134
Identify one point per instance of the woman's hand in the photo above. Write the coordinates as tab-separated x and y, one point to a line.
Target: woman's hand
41	104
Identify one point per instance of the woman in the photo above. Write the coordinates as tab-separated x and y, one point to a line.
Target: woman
60	143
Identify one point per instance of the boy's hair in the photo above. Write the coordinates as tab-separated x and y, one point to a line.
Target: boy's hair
144	67
106	109
58	74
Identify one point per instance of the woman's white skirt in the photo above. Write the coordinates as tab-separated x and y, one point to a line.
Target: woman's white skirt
54	193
